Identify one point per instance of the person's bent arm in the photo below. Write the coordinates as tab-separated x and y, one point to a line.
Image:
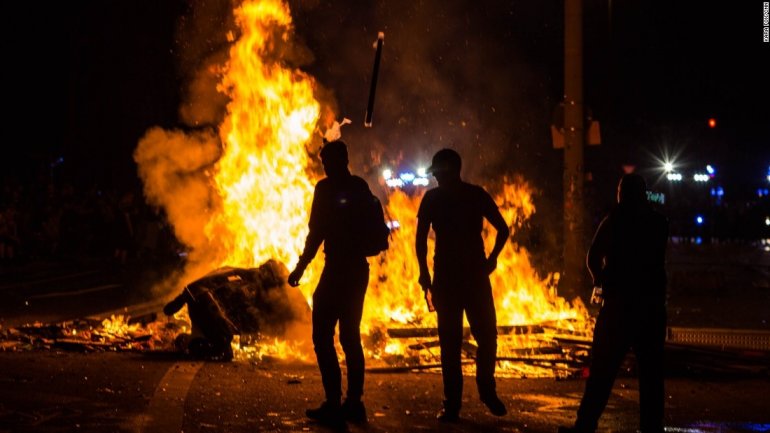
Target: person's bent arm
597	252
421	249
495	218
313	241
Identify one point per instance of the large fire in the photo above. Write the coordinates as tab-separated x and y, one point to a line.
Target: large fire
261	186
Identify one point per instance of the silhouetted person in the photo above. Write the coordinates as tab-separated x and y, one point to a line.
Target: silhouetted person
339	296
627	259
456	210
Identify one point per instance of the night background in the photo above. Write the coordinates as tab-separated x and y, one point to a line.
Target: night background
85	80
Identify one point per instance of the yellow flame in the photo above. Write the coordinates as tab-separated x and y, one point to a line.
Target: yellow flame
117	325
262	176
262	188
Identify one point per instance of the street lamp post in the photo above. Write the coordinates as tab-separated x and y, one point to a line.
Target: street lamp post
573	280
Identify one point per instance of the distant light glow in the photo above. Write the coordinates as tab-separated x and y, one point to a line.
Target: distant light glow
407	176
674	177
712	123
404	179
668	166
394	183
710	169
699	219
422	172
701	177
767	221
393	224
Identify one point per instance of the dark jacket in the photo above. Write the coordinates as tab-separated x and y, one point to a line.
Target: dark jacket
627	255
335	218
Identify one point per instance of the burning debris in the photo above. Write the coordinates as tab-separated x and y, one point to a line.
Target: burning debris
236	301
117	333
228	304
541	350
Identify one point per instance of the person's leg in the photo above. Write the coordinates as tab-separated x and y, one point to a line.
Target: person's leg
351	309
649	349
450	333
324	317
610	345
480	310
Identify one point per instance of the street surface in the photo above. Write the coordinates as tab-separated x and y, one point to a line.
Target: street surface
52	391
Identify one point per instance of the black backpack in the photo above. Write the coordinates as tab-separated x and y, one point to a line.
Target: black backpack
373	234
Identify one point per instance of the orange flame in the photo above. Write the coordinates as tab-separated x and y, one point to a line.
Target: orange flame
261	178
261	187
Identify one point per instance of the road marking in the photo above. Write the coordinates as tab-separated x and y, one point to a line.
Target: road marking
75	292
166	410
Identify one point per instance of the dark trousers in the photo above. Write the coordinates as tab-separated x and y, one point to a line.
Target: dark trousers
339	297
452	297
618	329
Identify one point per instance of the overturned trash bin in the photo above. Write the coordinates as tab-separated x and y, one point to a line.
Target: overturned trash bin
232	301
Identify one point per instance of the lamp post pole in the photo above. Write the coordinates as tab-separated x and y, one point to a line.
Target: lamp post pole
573	278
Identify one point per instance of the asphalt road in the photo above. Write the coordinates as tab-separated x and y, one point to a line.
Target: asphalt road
50	391
56	391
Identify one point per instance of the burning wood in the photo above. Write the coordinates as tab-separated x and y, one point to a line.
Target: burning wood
536	346
433	332
84	335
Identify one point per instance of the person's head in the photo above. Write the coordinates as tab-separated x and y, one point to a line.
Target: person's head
445	166
632	189
334	156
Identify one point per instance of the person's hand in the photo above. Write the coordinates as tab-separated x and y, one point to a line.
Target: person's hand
295	276
490	265
426	284
429	301
597	297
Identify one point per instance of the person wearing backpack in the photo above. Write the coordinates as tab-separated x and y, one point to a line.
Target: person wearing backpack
342	217
456	210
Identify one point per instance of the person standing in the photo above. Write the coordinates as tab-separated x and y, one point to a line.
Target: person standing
627	260
456	210
339	296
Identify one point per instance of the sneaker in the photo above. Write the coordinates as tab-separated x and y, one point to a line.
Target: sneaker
448	415
495	405
354	411
328	414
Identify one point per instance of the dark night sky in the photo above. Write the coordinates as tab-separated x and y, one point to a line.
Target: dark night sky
86	79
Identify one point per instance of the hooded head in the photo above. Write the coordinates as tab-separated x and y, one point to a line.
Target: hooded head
632	190
334	156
